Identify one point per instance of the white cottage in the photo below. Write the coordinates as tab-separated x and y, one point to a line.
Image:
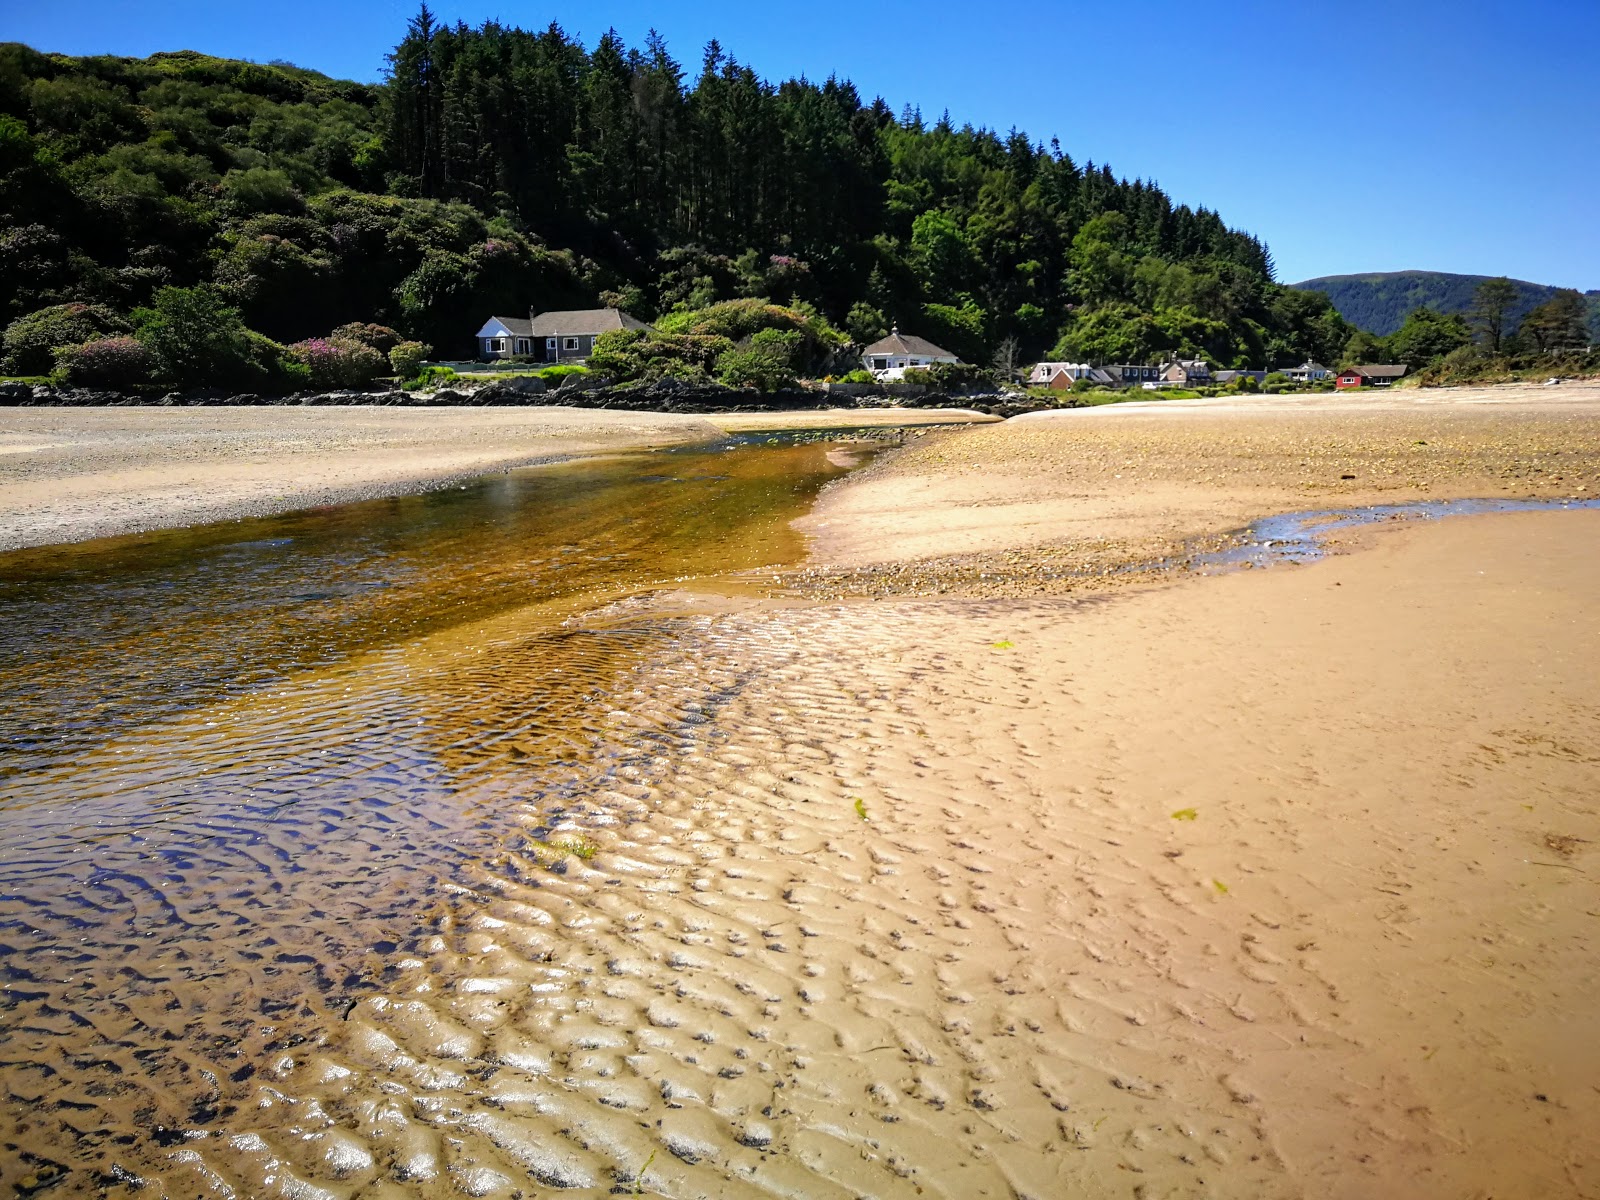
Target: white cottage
552	337
898	351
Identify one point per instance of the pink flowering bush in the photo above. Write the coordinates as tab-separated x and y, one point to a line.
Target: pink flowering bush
339	363
114	362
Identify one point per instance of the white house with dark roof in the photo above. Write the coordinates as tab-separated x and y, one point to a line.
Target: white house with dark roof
552	337
1307	372
898	351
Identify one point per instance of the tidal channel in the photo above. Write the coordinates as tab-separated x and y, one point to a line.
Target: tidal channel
242	765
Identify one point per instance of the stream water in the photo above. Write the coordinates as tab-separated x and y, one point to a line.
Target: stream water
240	764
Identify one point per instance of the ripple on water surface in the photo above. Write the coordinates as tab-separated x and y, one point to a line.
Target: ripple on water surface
241	766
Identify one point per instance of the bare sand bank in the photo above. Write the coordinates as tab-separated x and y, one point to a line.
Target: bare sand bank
1096	489
1279	884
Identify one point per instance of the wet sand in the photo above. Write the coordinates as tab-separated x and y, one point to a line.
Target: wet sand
1278	884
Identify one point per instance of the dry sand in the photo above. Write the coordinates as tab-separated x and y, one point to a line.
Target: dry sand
1097	489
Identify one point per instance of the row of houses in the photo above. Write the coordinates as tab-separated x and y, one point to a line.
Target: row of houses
568	336
1197	373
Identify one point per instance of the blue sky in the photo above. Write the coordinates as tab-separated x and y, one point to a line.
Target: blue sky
1359	136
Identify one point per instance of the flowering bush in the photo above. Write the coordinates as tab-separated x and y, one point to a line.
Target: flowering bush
380	337
114	362
405	360
337	363
30	341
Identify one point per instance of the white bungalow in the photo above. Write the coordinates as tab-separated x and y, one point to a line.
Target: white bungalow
898	351
553	337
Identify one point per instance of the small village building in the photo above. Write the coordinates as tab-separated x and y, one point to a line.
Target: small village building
1131	374
899	351
1062	375
1307	372
1185	372
1372	375
551	337
1223	378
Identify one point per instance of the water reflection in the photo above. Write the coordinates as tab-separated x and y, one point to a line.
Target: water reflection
241	766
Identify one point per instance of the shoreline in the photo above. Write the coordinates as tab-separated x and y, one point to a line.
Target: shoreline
76	474
1052	502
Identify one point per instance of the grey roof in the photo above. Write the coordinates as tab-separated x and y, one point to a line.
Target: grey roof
902	343
582	322
520	326
1382	370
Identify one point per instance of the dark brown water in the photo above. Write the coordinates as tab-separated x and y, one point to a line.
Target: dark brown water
242	766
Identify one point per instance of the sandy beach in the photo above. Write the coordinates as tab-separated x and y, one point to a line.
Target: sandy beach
970	863
1087	492
71	474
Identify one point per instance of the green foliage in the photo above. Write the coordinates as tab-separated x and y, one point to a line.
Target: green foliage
1427	335
950	377
1558	326
1491	309
30	342
766	362
195	340
958	330
865	324
634	354
405	358
429	377
562	370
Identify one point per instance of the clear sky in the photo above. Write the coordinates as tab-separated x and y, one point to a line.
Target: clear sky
1367	135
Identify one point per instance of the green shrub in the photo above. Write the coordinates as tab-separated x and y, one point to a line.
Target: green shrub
31	341
405	359
380	337
949	376
562	370
198	341
433	377
766	361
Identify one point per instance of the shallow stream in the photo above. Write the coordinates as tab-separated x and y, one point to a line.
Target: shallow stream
240	764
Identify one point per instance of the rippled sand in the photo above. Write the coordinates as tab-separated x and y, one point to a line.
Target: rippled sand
1274	884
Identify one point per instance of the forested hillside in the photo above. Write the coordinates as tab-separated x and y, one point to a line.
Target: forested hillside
1381	302
500	169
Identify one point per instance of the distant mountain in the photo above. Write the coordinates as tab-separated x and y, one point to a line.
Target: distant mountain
1380	302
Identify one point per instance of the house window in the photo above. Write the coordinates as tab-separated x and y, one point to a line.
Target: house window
569	343
496	344
549	343
880	364
522	345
